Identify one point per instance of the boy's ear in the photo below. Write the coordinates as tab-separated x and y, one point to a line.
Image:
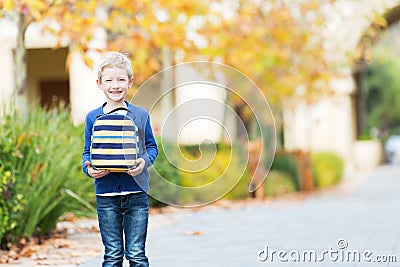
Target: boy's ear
98	83
131	82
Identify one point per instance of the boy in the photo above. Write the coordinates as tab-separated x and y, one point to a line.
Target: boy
122	202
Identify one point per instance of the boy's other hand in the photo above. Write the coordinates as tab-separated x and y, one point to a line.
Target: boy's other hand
139	167
96	173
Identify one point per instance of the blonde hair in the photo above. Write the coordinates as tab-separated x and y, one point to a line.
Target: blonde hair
115	59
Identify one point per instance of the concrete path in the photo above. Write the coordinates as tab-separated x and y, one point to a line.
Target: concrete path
339	227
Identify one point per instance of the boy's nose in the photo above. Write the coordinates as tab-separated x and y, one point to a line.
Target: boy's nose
115	84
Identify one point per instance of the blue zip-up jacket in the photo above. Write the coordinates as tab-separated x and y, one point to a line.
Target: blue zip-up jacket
116	182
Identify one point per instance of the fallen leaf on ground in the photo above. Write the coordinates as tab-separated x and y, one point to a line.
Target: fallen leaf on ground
194	233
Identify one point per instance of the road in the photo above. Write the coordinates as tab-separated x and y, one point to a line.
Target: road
337	227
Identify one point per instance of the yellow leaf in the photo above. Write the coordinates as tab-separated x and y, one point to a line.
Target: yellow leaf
380	21
7	5
88	60
194	233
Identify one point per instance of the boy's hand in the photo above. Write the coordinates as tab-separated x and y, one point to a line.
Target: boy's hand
96	173
139	167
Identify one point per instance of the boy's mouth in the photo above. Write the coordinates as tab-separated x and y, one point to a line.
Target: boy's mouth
115	92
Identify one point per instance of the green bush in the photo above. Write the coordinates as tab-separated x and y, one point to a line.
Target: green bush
287	163
40	174
221	165
278	183
10	204
163	169
192	167
327	169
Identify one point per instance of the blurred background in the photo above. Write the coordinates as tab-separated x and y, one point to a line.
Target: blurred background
327	68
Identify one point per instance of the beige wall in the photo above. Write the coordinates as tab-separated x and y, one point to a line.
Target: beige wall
6	75
84	93
45	64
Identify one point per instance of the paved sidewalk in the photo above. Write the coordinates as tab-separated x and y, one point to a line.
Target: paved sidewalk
337	225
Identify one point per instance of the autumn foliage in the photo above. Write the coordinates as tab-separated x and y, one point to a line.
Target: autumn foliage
276	43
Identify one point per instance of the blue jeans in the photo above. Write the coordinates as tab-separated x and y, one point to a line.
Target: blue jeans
119	215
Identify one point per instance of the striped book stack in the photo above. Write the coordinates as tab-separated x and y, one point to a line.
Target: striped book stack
114	143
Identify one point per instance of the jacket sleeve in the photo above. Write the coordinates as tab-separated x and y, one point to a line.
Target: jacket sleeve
151	151
87	144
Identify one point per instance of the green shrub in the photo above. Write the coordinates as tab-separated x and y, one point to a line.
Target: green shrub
241	189
327	169
278	183
10	203
217	172
40	172
365	136
163	169
287	163
192	167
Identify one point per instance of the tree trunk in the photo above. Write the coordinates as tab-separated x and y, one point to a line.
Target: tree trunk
360	98
20	61
167	84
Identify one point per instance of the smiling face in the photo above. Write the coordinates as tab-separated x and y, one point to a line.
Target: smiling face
114	83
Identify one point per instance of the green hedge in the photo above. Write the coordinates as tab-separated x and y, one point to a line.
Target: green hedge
220	169
163	169
40	172
327	169
194	166
287	163
283	178
278	183
174	163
